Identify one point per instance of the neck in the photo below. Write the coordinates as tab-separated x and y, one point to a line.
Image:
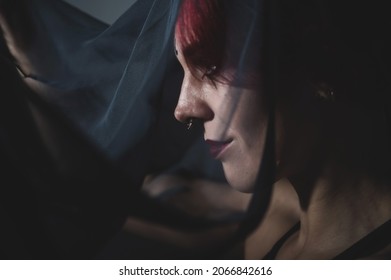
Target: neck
336	213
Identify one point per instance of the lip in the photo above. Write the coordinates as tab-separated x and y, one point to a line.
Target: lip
216	148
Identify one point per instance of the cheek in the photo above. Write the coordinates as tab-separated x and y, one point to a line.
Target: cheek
250	119
242	167
250	125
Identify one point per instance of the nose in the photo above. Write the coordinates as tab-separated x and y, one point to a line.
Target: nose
192	103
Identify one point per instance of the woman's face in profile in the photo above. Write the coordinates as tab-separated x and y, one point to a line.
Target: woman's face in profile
233	119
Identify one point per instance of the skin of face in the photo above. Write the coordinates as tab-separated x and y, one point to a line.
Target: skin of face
229	114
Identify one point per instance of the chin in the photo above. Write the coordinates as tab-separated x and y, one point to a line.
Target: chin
240	181
241	171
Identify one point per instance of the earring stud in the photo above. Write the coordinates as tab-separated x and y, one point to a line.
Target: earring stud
326	92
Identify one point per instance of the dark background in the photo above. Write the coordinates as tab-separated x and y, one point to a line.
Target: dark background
106	11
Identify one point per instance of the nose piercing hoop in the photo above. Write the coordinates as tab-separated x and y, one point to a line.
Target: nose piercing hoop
189	124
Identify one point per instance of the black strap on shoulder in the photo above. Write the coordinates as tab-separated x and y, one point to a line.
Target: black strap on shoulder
271	255
369	245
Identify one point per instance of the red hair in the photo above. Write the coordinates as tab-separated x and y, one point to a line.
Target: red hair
200	33
211	35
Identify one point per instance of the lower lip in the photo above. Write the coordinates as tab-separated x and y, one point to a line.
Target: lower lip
217	149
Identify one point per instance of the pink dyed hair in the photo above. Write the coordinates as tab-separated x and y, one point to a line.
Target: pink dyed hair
209	35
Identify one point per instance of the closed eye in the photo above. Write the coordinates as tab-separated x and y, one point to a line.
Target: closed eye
210	74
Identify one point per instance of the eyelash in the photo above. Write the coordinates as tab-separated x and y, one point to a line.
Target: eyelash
209	74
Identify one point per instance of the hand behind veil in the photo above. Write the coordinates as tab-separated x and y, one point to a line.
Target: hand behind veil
67	194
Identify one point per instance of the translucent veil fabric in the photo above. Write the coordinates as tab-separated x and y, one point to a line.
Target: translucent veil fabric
118	85
109	80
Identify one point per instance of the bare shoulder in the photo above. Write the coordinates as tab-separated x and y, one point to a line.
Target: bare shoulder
282	215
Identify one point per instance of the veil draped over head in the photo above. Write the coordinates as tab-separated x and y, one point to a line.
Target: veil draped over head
103	102
102	99
118	84
115	87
